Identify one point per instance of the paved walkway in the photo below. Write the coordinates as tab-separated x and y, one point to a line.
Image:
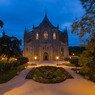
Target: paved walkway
20	86
48	62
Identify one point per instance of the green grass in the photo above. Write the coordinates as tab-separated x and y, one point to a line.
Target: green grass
8	75
32	64
48	74
66	64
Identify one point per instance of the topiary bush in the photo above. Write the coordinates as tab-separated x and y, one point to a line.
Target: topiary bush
66	59
38	73
58	73
22	60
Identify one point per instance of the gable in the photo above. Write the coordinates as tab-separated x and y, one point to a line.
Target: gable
45	22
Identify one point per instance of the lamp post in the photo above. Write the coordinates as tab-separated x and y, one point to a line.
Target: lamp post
70	57
73	54
35	59
57	58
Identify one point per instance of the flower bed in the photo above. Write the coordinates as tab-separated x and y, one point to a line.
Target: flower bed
48	74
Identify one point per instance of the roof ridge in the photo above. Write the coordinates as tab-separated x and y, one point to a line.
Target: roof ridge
47	20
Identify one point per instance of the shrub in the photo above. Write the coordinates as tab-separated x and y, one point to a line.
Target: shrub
22	60
91	65
5	67
66	59
84	70
20	68
91	75
74	61
58	72
38	73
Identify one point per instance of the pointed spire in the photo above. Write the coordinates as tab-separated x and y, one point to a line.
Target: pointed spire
3	32
45	20
25	27
25	31
66	28
66	34
58	26
45	12
33	26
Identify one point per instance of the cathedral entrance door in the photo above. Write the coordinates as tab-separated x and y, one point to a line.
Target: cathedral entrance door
45	56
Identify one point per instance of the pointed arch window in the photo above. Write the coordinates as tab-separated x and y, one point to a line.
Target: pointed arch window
54	35
37	35
62	51
46	35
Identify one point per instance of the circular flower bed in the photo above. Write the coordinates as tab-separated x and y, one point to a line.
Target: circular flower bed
48	74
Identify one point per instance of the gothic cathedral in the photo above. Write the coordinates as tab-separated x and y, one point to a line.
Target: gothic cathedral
46	42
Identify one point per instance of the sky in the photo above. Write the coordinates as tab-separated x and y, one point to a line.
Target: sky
16	14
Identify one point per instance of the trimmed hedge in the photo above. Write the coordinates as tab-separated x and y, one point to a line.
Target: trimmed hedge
74	61
22	60
66	59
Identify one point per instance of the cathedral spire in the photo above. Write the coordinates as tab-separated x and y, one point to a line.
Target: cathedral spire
25	31
3	32
45	20
66	34
25	28
45	12
66	28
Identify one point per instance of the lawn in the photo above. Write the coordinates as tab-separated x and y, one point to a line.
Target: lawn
8	75
66	64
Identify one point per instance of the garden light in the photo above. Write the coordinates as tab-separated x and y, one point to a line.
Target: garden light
35	59
73	54
57	57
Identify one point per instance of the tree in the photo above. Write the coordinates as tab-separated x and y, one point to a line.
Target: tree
86	26
15	47
10	46
1	24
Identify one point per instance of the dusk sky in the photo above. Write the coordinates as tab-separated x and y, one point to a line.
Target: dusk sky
16	14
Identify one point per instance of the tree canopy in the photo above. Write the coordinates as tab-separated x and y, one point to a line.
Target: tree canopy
86	25
10	46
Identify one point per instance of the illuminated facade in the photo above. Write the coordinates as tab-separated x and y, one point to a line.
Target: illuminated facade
46	42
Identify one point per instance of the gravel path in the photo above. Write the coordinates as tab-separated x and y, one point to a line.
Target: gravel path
20	86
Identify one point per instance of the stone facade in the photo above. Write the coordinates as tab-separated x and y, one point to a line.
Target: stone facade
46	42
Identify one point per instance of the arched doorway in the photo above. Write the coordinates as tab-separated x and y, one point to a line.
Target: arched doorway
45	56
